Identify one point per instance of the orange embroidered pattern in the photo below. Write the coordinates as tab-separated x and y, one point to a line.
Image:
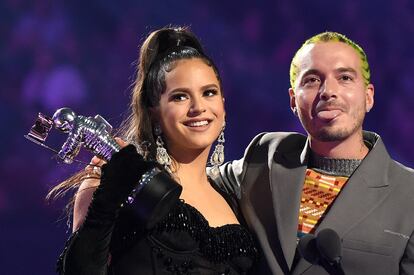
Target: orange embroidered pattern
319	191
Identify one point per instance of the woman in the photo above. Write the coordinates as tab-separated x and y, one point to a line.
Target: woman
177	114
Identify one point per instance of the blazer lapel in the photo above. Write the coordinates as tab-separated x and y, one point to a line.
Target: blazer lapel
286	182
365	189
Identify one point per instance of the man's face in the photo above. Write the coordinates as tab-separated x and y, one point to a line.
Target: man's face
330	96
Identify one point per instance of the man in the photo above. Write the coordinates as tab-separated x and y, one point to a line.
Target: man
339	176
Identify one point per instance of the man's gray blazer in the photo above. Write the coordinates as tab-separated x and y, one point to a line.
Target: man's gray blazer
373	214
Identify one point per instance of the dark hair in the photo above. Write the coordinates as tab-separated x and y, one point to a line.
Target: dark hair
158	54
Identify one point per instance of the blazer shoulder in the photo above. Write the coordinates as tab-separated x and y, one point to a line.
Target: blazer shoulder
264	145
402	173
281	140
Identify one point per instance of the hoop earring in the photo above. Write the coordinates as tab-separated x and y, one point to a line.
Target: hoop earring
162	155
217	157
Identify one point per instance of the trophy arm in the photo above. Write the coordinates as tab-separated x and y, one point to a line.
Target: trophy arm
72	145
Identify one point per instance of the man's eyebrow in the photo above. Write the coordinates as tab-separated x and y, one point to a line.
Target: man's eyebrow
311	71
346	70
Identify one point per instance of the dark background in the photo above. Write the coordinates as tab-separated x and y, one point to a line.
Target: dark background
82	53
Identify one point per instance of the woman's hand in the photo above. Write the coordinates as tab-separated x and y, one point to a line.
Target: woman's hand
96	162
87	188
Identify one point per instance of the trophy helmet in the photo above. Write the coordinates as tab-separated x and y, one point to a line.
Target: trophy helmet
64	119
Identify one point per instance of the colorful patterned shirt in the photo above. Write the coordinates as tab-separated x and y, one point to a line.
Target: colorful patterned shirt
319	191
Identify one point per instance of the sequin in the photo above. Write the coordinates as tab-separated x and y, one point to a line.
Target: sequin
218	244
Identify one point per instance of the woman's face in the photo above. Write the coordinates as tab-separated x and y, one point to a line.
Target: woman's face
191	110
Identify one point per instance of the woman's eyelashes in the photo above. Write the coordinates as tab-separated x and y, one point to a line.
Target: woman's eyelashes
182	96
211	92
177	97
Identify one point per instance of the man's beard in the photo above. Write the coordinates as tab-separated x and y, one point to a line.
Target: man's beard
331	134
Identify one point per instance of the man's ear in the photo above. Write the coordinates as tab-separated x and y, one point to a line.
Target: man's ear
292	97
369	97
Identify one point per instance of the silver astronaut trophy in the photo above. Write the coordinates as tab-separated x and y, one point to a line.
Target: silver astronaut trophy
93	133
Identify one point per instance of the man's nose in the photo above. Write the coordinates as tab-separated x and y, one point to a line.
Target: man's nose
329	89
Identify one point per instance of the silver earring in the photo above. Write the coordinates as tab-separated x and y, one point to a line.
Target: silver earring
217	157
143	148
162	155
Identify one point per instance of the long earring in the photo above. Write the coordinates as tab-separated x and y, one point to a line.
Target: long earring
143	148
162	155
217	157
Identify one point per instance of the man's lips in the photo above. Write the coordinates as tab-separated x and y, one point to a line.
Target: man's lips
328	114
328	111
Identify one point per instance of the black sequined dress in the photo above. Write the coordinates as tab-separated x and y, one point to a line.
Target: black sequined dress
181	243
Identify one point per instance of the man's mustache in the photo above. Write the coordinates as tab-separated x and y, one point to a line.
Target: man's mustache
330	105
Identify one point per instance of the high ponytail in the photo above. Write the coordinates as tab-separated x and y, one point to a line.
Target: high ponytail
158	55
